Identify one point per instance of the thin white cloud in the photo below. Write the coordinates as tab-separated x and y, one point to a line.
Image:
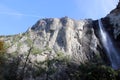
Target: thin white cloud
19	14
8	11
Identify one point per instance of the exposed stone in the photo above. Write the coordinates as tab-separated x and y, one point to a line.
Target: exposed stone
75	39
115	20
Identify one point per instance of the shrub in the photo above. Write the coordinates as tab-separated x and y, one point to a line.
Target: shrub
36	51
2	58
91	71
2	51
98	72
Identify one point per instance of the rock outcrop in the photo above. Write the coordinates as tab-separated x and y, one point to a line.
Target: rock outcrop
69	37
53	38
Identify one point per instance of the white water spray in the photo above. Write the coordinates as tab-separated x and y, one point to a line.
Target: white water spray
112	53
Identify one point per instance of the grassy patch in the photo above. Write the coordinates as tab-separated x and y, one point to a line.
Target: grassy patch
29	42
36	51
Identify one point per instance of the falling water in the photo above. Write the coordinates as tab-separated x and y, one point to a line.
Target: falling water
112	53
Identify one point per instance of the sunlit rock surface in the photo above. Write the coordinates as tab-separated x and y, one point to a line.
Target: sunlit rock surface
73	38
54	39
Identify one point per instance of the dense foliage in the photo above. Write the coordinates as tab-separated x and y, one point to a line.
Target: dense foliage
2	51
2	47
87	71
2	58
91	71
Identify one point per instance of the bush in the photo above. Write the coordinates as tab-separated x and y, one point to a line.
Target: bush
2	59
91	71
2	51
98	72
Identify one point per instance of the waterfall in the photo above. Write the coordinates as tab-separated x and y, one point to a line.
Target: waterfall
111	51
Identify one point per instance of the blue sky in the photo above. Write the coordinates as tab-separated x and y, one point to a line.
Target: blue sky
17	16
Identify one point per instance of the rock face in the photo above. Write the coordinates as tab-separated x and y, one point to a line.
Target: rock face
53	38
75	39
114	20
112	24
44	49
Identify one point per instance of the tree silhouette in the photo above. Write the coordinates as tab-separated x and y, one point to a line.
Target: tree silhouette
1	46
2	51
